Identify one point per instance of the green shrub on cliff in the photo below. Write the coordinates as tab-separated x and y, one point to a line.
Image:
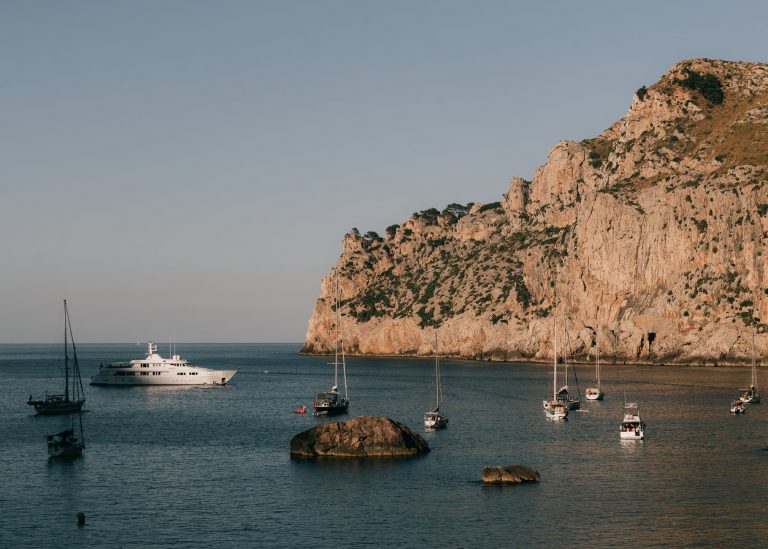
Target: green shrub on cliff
707	84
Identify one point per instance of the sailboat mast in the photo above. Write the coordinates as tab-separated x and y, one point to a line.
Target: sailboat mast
437	376
597	361
66	356
754	366
338	338
554	370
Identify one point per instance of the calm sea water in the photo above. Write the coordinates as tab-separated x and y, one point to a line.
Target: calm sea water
203	467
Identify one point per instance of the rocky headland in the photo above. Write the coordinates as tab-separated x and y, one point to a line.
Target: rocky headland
650	239
364	436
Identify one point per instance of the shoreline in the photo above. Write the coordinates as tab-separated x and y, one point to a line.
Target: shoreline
697	363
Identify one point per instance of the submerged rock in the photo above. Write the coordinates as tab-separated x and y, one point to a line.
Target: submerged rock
511	474
364	436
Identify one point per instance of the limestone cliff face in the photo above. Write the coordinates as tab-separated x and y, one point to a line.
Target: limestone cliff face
648	241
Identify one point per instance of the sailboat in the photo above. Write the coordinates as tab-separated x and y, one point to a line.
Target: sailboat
69	442
570	401
751	395
70	401
332	402
553	408
435	419
596	393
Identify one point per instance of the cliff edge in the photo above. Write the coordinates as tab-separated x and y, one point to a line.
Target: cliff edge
650	239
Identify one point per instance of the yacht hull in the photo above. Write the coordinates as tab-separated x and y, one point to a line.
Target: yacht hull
134	378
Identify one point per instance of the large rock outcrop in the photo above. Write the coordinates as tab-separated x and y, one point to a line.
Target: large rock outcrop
364	436
648	242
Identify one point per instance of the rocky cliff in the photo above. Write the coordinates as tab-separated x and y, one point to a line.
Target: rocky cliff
648	241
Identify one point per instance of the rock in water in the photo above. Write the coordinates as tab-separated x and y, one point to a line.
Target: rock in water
364	436
511	474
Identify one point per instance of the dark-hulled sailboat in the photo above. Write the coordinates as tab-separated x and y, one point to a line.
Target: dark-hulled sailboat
73	398
332	402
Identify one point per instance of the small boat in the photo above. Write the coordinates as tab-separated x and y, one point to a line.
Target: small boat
737	406
553	408
332	402
436	419
751	395
70	401
632	427
156	370
66	443
556	411
300	410
596	393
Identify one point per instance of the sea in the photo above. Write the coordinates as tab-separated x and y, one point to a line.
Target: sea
210	466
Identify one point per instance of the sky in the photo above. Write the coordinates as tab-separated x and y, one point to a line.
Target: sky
186	170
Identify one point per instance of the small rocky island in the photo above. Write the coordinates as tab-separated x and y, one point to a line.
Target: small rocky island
511	474
365	436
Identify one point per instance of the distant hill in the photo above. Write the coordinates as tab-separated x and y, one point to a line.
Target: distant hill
650	239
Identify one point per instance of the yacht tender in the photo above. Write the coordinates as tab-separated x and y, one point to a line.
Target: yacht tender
156	370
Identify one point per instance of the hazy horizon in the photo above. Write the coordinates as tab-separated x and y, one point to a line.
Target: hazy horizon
187	170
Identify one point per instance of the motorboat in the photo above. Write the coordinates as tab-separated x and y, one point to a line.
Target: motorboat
737	406
632	427
156	370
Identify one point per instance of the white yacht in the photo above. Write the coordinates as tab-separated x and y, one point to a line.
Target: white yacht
632	427
156	370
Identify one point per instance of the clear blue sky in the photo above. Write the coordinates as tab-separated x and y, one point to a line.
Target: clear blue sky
187	169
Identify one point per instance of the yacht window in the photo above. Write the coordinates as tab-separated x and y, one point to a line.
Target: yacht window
145	373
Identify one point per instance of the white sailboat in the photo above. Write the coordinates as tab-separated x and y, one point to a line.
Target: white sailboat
553	408
596	393
569	400
435	418
331	401
751	395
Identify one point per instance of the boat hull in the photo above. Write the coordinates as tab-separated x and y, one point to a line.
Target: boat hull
44	408
138	378
65	444
331	410
432	422
593	393
632	435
